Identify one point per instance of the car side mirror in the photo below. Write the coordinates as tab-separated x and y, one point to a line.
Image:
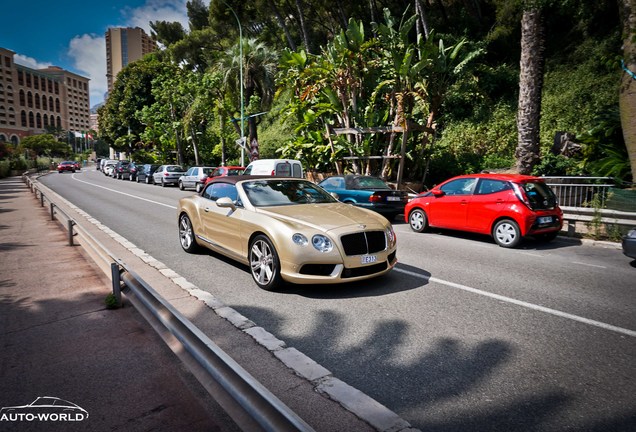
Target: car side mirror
226	202
437	193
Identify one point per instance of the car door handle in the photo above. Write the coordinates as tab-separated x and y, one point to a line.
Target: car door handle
207	209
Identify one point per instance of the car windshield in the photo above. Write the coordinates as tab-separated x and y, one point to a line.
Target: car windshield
174	168
277	192
365	183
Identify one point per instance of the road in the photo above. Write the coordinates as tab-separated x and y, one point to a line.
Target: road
462	336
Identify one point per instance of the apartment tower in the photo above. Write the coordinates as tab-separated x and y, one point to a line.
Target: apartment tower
123	46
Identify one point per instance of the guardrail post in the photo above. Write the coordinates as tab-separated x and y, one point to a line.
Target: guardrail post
116	277
70	224
52	211
41	199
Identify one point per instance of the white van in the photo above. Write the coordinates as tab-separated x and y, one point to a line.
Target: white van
275	167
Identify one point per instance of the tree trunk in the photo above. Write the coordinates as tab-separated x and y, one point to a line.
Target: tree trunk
283	25
303	27
422	23
627	89
530	86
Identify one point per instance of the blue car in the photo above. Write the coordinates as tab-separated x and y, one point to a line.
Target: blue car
367	192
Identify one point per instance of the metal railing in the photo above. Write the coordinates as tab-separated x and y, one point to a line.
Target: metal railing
247	402
581	191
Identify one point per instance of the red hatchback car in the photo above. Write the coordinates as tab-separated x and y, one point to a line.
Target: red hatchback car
508	207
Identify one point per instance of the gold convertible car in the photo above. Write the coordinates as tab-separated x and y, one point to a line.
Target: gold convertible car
287	230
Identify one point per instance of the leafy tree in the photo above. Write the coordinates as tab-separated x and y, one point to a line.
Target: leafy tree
627	93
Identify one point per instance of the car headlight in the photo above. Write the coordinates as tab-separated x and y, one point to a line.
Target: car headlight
390	234
322	243
300	239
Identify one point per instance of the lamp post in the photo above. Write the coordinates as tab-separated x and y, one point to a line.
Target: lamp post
241	79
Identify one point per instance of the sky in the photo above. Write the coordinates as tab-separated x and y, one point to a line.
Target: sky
70	33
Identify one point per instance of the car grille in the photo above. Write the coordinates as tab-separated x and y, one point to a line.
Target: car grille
366	242
317	269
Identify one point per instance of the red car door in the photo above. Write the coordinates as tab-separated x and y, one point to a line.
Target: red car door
449	209
488	201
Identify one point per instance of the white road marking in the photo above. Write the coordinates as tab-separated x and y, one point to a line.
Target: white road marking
589	265
539	308
124	193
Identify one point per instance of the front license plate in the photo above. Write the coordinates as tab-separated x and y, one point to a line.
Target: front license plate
545	219
368	259
393	198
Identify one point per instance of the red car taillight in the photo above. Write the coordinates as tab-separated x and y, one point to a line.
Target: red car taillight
521	195
166	174
375	198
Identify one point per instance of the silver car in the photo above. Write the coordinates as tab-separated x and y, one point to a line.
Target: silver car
195	178
168	174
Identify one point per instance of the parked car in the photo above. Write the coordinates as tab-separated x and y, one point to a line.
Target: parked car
508	207
66	166
120	169
225	171
195	177
145	172
629	243
275	167
108	167
286	230
167	175
368	192
78	165
130	173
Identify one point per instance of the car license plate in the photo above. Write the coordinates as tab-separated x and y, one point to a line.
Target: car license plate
368	259
545	219
393	198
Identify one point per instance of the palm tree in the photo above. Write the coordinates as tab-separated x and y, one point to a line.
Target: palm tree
530	87
259	70
627	92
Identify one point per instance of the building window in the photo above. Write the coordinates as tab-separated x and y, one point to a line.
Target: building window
57	105
29	100
31	120
51	103
9	90
28	79
59	122
57	88
20	78
44	105
22	98
23	118
38	120
43	83
37	101
50	83
36	83
7	62
45	120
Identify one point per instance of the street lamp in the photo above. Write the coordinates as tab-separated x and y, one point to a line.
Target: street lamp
241	78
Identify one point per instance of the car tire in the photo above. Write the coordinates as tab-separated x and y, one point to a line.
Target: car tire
187	237
264	263
418	220
506	233
163	182
181	185
147	180
136	179
198	187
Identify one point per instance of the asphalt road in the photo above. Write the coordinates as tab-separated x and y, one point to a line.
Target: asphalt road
462	336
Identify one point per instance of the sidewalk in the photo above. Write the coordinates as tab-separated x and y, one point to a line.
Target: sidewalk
58	340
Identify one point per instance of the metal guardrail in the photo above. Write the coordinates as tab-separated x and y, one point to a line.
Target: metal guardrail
580	191
247	402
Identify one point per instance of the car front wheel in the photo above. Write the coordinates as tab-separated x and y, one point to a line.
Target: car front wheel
186	235
198	187
507	233
418	220
181	185
264	263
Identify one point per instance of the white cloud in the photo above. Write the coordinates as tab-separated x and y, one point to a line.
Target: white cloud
30	62
157	10
89	59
